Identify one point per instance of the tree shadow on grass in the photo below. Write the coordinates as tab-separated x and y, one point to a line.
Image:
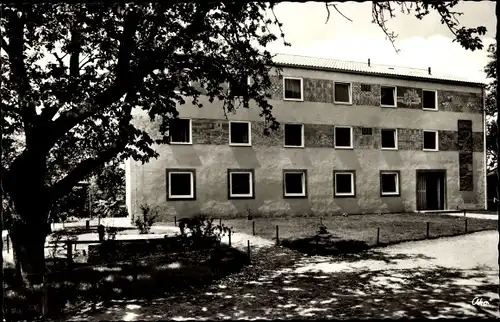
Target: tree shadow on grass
152	277
436	292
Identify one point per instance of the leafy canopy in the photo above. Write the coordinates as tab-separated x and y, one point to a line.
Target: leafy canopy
72	74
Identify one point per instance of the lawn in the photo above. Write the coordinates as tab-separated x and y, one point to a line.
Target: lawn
393	227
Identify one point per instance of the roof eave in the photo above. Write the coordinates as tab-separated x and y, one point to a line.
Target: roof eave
432	80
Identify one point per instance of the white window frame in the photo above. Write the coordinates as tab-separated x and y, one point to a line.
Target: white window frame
249	195
395	96
350	93
435	98
301	99
344	194
302	136
395	139
437	141
396	193
335	137
249	134
190	134
304	191
170	196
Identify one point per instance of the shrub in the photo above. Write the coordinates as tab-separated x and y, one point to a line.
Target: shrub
199	227
144	222
323	230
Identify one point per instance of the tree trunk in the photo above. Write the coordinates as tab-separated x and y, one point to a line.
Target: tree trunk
497	63
29	254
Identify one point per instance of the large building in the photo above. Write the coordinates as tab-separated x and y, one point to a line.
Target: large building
354	138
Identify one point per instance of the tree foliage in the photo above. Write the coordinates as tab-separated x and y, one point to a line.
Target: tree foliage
491	107
73	73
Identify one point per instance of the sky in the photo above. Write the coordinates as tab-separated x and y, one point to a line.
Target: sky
422	43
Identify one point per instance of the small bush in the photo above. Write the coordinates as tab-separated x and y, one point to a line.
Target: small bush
144	222
200	226
111	231
323	230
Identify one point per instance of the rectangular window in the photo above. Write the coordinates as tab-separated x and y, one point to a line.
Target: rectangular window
343	137
181	184
342	93
388	96
389	138
366	87
366	131
240	133
389	183
344	183
294	135
240	183
180	131
429	100
238	88
294	183
430	140
292	88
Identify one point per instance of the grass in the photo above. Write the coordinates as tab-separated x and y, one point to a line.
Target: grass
393	227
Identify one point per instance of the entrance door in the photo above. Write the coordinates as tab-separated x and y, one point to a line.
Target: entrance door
431	189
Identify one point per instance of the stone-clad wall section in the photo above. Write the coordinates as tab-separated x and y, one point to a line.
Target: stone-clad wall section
210	131
321	90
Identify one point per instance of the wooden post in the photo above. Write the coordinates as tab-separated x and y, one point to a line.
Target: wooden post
277	236
465	215
248	251
253	228
45	297
229	237
69	253
466	225
378	235
175	221
87	224
8	243
220	223
134	269
96	292
427	233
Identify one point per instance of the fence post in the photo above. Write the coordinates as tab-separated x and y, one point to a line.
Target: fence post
175	221
229	237
466	225
134	269
220	223
427	232
465	213
378	235
45	297
69	254
248	251
253	228
87	224
277	236
8	243
96	292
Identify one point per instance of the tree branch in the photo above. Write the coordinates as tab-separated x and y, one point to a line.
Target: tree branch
15	32
124	80
74	62
337	9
